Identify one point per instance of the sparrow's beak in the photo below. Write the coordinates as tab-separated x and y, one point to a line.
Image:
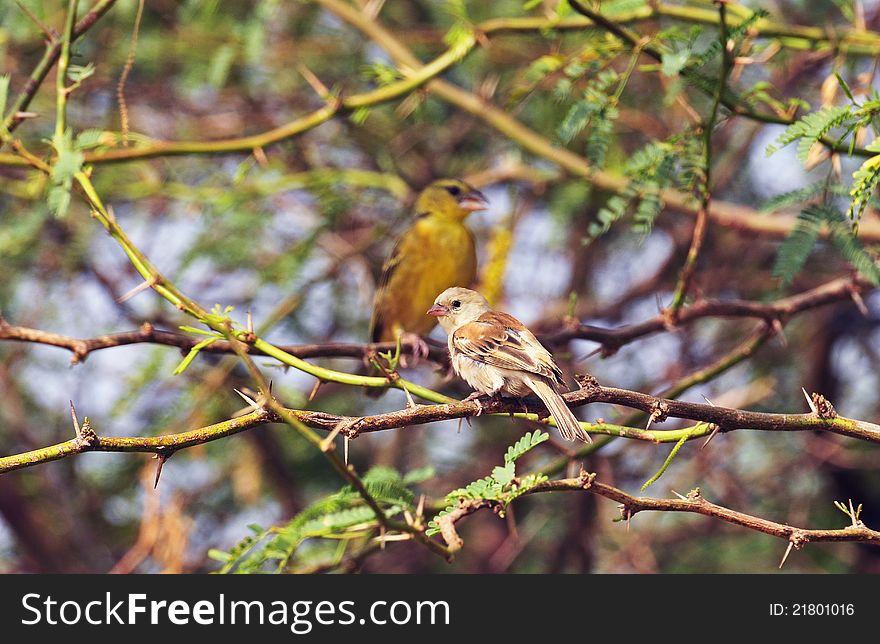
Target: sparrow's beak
437	310
473	200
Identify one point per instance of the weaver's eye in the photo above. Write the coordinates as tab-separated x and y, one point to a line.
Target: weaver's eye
453	190
456	304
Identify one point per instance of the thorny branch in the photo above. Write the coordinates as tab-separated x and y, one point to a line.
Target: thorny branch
148	334
630	505
822	416
774	313
694	502
724	418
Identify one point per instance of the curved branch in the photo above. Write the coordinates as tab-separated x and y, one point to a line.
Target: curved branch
147	334
859	43
334	106
774	313
694	502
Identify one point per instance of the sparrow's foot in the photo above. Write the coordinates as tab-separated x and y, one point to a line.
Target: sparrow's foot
475	396
480	398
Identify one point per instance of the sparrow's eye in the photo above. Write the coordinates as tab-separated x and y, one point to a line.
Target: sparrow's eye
453	190
456	304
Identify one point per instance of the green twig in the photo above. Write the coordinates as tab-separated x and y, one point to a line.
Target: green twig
61	75
702	224
39	73
346	471
685	438
161	445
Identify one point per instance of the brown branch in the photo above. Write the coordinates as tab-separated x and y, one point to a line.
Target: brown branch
777	312
774	313
81	348
726	419
694	502
447	522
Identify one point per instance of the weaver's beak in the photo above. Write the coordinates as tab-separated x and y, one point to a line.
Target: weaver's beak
437	310
473	200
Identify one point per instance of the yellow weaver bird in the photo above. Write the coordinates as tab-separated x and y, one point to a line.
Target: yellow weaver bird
436	252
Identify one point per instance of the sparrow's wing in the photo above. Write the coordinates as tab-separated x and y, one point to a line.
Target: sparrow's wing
500	340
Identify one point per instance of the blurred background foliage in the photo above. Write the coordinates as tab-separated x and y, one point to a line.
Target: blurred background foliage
297	232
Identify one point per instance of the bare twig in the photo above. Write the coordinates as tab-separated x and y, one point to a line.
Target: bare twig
836	290
702	223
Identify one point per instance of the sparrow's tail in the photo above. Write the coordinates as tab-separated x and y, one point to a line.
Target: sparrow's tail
569	427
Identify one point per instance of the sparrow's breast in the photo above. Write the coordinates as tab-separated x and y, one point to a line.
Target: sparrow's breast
480	376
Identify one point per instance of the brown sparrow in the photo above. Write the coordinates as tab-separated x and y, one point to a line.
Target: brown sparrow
494	352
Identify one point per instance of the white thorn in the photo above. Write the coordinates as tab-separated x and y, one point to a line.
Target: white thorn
410	403
785	556
143	286
250	401
810	402
76	426
711	436
859	302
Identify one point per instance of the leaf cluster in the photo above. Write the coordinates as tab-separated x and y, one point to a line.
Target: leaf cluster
333	520
501	486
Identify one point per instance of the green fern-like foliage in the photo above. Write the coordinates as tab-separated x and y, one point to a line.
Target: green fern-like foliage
658	165
691	65
501	486
865	180
330	521
597	109
853	251
846	120
69	162
811	127
734	34
800	195
524	444
795	250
